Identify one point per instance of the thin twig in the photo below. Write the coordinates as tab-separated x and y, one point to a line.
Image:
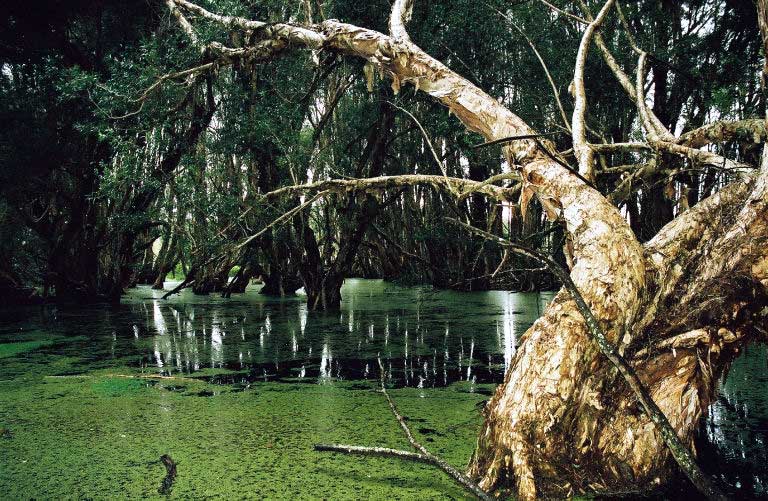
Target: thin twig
426	137
423	455
565	13
551	81
288	215
509	139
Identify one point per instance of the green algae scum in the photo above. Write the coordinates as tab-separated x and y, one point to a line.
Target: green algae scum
238	391
102	437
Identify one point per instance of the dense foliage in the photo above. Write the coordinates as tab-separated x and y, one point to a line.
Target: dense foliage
109	178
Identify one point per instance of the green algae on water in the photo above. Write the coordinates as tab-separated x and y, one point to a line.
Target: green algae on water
102	437
118	386
14	348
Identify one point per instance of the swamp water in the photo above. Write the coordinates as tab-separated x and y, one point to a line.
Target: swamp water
254	382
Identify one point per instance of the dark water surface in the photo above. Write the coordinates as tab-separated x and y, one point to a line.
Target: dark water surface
426	338
252	383
733	442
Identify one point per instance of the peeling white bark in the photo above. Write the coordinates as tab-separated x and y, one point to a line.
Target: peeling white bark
560	404
584	153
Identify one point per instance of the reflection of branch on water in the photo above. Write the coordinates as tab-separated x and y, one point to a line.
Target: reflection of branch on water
423	455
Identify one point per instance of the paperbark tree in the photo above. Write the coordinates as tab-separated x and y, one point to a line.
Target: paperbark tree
677	307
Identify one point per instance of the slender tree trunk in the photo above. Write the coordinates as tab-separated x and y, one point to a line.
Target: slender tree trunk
323	287
166	262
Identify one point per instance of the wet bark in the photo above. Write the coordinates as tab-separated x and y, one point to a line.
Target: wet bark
280	284
239	282
144	273
213	277
79	276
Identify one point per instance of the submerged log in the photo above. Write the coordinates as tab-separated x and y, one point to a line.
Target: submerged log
170	476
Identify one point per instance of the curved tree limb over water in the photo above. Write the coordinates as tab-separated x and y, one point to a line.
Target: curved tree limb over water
558	405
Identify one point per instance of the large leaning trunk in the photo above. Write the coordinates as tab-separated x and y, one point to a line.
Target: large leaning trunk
563	421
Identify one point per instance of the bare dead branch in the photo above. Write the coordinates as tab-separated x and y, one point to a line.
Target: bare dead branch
491	180
173	76
422	456
459	477
698	156
400	248
372	451
652	128
281	219
620	147
620	75
627	30
584	154
330	108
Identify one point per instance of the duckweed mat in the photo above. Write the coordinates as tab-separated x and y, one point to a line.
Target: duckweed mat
99	434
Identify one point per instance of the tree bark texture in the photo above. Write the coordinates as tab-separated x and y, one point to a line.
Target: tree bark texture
678	306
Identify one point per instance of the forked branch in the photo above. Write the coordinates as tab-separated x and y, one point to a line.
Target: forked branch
584	153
